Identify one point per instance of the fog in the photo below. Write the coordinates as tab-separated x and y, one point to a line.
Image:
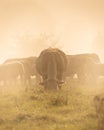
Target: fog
28	26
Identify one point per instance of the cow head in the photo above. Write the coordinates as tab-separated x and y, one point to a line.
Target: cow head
52	84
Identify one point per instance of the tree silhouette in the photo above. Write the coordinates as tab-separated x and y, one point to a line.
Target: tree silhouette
33	45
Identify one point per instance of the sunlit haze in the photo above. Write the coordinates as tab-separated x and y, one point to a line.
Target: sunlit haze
28	26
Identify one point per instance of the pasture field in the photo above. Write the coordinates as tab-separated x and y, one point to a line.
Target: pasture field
71	108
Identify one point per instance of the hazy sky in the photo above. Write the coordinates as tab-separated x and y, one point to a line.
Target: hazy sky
76	25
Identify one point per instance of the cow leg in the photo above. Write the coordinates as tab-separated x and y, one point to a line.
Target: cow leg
29	80
37	79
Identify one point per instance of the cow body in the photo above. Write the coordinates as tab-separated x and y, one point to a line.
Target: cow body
81	65
29	64
10	72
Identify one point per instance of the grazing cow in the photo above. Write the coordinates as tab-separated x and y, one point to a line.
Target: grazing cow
10	72
51	65
81	65
29	67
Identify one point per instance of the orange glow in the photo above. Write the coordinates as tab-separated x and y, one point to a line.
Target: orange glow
73	24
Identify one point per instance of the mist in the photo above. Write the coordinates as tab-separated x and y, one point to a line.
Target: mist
28	26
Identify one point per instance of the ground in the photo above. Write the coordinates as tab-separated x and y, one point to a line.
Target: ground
71	108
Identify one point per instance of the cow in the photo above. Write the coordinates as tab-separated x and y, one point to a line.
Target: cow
10	72
81	65
29	64
51	65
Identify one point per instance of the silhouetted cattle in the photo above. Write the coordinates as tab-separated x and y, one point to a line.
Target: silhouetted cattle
29	64
51	65
81	65
10	72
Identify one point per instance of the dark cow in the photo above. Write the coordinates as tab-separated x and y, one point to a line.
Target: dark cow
51	65
29	64
10	72
81	65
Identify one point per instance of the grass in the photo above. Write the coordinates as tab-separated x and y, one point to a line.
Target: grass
68	109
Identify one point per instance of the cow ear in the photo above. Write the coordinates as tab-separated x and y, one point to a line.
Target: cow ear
41	83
